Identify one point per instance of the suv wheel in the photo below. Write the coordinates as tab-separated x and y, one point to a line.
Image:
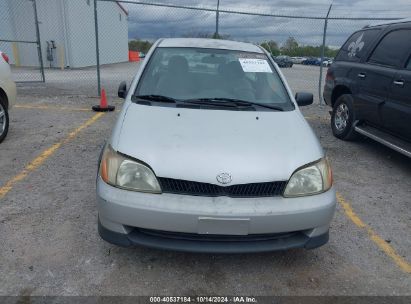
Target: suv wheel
343	118
4	120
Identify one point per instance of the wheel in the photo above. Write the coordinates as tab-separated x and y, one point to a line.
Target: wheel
343	118
4	120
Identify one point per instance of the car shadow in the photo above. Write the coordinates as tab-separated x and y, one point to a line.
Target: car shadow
383	152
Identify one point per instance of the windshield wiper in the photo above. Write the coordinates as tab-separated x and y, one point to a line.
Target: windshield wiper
157	98
165	99
216	101
231	101
210	102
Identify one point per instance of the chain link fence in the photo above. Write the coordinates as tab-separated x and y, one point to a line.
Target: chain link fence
55	41
19	39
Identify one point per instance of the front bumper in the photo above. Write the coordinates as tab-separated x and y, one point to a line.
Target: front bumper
213	224
211	244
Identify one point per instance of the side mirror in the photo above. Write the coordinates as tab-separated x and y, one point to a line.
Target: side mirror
122	90
304	99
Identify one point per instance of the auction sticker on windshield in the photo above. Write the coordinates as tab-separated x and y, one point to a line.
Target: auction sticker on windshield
254	65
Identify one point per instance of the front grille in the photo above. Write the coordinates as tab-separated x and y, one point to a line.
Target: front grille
214	237
177	186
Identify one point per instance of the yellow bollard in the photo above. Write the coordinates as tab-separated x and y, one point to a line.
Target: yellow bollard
61	57
15	54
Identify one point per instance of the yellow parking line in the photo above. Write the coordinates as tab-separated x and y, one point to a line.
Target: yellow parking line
379	241
39	160
44	107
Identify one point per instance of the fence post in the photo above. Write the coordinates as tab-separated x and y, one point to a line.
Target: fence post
322	54
97	49
217	19
36	21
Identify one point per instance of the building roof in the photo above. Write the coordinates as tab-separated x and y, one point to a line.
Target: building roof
122	8
210	44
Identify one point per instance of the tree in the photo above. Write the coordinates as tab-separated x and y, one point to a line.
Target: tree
221	36
292	48
139	45
290	45
194	34
271	46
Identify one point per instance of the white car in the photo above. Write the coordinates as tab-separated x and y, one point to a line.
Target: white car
298	60
211	153
327	62
7	94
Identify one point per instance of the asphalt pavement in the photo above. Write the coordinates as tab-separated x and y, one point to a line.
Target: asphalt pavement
48	219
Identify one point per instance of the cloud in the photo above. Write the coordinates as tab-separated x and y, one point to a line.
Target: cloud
151	22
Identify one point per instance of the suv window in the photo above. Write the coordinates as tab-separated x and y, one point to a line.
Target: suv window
392	48
356	46
408	66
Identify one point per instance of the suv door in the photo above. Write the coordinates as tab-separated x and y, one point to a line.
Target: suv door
374	82
351	70
396	112
375	77
382	68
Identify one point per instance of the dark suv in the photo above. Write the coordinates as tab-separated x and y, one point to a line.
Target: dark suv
369	86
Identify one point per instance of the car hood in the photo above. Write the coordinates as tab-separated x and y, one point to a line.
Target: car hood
197	145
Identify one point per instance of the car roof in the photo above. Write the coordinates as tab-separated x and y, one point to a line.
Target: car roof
390	22
210	44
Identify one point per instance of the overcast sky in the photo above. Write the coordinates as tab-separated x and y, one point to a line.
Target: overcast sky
149	22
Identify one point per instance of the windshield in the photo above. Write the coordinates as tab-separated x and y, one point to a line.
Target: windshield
195	73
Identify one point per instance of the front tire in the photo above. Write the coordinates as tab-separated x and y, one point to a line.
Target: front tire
4	120
343	118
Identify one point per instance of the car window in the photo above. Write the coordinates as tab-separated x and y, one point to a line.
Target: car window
408	66
357	45
196	73
392	48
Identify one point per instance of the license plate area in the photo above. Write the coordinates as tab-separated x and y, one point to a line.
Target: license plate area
223	226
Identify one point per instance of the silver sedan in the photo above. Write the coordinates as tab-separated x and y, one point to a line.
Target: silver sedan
211	153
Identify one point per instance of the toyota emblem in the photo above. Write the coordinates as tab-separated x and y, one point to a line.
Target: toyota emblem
224	178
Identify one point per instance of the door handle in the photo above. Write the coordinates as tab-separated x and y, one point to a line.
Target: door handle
361	75
399	83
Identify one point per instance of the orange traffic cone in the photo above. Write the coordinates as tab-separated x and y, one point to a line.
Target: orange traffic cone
103	106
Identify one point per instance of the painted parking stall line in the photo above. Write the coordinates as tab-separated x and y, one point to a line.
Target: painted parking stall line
39	160
379	241
46	107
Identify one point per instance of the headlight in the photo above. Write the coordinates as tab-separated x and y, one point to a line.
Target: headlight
120	171
312	179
